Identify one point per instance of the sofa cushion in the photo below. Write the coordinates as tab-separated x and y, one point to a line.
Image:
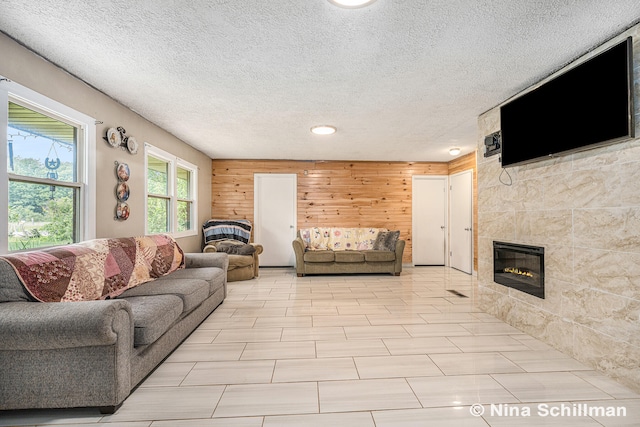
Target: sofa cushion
213	275
319	256
349	256
191	291
235	248
379	256
239	261
152	316
386	241
11	289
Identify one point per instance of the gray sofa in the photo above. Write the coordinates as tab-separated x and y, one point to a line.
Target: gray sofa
94	353
347	261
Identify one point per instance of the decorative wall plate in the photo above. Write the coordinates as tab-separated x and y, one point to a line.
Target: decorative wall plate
122	191
123	172
132	145
113	137
122	211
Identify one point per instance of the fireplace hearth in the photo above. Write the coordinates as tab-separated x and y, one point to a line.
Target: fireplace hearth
519	267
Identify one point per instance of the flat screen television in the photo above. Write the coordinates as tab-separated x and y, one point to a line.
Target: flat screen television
587	106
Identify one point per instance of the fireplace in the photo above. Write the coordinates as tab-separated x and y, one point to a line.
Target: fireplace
520	267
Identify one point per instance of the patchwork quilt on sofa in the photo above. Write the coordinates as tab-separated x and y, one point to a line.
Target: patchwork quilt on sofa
339	238
95	269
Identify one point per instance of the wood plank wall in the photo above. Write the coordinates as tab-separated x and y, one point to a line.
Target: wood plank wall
333	193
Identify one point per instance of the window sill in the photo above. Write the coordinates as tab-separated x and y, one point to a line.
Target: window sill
187	233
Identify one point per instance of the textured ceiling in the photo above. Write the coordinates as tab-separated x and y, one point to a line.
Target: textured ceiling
400	79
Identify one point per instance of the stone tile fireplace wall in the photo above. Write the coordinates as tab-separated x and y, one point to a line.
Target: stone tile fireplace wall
584	209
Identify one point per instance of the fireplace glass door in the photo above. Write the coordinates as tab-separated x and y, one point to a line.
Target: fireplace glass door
519	267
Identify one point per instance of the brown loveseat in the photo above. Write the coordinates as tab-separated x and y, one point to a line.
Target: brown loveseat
338	250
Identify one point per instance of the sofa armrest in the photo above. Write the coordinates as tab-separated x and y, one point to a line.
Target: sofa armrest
259	248
256	258
210	248
399	253
298	249
208	259
56	325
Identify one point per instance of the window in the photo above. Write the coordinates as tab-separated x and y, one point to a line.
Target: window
46	179
158	196
171	194
184	198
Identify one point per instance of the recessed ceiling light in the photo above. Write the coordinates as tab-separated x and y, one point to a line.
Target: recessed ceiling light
351	4
454	151
323	130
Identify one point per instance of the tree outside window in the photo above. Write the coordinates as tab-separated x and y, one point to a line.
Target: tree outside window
185	198
158	197
171	189
42	168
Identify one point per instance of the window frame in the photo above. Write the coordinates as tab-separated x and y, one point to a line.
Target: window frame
174	163
10	91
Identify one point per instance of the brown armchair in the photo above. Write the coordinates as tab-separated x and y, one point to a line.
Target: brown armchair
241	266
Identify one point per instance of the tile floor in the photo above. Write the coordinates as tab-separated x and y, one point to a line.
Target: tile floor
372	350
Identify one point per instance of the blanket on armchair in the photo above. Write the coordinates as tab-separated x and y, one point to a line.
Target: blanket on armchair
225	229
95	269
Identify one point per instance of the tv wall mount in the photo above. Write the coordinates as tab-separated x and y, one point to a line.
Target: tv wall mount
492	144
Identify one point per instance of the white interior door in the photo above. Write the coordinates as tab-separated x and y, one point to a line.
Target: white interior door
428	235
275	203
461	221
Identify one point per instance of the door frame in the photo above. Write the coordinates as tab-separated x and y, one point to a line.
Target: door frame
470	172
256	206
414	215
